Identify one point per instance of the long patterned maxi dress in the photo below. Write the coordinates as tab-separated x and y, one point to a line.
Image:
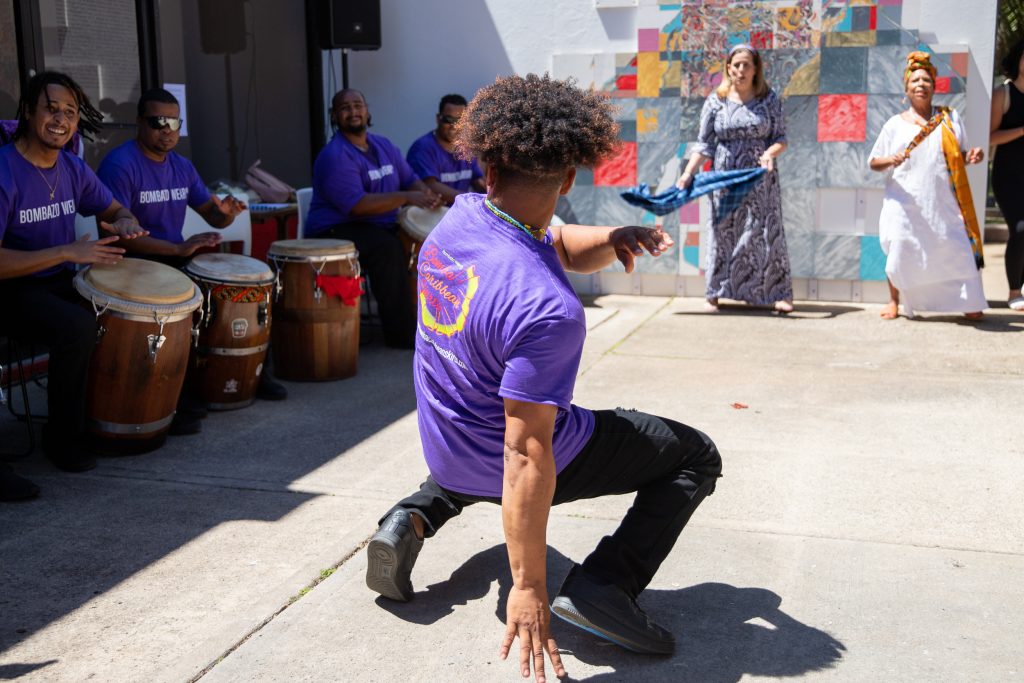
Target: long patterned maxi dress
747	259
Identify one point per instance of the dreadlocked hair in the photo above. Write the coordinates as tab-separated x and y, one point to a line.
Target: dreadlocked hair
89	118
535	128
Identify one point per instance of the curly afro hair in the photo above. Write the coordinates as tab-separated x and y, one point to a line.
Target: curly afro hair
536	128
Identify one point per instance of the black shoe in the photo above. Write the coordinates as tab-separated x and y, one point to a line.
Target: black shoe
607	611
390	556
269	389
185	424
14	488
64	453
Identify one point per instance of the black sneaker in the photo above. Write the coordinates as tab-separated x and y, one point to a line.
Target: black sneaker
185	424
269	389
608	612
391	555
64	453
13	487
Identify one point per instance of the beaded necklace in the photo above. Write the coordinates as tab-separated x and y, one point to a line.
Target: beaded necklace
535	233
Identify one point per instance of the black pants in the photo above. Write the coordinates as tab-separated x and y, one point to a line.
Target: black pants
1006	188
386	265
48	310
670	466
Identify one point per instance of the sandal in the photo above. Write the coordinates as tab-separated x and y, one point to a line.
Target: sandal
1016	303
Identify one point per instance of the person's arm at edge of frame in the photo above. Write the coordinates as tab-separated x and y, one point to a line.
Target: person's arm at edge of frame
16	263
1001	137
527	490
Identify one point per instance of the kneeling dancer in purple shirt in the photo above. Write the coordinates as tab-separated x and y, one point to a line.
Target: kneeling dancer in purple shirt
499	341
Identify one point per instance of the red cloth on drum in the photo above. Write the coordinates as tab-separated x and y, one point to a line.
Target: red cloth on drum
346	288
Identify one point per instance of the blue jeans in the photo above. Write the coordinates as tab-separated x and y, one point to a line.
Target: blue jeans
670	466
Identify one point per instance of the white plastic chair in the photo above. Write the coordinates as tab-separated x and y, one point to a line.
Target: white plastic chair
304	197
239	231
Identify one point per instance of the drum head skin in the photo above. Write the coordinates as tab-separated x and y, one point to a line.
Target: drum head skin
419	222
311	248
232	268
141	281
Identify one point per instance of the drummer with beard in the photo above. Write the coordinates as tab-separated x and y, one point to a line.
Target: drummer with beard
433	158
158	185
42	187
360	181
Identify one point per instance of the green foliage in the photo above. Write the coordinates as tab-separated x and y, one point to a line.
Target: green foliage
1009	26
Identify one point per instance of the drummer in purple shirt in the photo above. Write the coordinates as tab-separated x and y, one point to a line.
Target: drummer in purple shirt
42	187
157	184
360	181
433	158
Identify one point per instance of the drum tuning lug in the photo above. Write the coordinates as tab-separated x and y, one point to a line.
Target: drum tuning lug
155	342
100	331
195	336
261	315
316	293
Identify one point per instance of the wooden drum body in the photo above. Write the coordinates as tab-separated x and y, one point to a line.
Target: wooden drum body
234	331
144	319
316	326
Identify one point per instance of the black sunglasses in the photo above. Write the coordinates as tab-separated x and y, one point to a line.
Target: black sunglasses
450	120
160	122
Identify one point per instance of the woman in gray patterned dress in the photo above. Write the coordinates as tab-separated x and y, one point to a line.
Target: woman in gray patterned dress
741	126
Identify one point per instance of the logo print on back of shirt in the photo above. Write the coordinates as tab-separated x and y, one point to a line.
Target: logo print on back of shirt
446	291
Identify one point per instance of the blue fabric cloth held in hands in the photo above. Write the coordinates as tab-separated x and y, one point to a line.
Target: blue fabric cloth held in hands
739	182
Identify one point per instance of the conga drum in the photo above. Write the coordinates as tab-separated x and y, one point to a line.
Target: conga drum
234	330
144	330
416	224
316	315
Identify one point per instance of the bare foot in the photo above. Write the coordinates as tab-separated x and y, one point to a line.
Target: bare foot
976	315
711	306
890	311
784	306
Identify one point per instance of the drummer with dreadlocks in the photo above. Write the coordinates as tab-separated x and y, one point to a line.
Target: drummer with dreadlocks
42	187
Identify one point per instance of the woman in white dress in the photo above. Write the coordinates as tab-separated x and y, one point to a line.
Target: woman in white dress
928	226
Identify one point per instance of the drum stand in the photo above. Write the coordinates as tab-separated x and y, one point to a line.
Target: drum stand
15	359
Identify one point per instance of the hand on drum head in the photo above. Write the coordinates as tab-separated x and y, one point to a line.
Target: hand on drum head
197	242
85	250
229	206
126	228
426	199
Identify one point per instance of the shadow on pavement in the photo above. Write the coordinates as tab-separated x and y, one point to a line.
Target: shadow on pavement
90	532
723	632
801	311
10	672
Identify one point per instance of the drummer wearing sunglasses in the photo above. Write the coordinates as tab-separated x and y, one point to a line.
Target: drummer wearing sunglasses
147	175
159	185
433	157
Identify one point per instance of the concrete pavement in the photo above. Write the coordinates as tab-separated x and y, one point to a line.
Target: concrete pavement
867	525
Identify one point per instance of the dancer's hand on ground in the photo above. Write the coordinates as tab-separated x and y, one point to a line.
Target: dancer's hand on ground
528	617
630	242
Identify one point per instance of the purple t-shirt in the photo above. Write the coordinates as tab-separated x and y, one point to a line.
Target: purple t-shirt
430	160
343	174
497	319
155	192
29	219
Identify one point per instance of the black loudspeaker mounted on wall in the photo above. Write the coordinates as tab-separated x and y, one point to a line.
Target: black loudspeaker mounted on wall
350	24
221	26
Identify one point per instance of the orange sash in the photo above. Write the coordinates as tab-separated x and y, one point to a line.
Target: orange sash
957	176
